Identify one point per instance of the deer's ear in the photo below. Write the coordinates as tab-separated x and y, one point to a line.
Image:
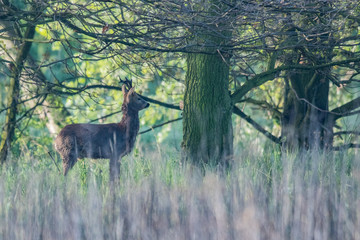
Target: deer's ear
123	88
131	91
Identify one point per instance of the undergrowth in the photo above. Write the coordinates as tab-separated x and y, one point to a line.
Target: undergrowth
269	196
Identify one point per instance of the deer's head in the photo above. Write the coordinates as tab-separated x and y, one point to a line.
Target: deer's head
131	99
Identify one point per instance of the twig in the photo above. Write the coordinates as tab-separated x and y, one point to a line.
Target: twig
75	91
54	162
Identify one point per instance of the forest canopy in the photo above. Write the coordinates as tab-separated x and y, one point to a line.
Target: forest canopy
290	69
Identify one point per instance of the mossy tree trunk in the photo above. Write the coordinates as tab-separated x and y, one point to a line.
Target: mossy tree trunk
207	128
306	123
306	120
16	67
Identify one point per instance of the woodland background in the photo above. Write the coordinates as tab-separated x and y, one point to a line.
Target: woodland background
270	88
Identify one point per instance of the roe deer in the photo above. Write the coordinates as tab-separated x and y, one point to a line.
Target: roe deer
110	141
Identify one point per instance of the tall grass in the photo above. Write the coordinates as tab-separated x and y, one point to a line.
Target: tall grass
272	196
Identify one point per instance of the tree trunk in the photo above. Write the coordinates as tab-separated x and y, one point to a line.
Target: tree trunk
305	122
13	97
207	127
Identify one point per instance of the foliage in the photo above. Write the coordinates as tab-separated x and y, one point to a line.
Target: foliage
80	50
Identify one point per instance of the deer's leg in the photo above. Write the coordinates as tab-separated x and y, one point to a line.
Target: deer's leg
117	166
114	169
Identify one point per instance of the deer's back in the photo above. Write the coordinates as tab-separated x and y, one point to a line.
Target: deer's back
91	140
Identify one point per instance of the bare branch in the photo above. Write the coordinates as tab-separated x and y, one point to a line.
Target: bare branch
74	91
106	116
264	77
257	126
264	105
347	133
346	146
160	125
346	109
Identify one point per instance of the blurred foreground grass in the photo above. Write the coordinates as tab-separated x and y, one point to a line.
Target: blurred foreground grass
270	196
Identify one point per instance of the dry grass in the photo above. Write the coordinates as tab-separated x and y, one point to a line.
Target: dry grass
273	197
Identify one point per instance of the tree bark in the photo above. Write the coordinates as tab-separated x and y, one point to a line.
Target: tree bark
14	95
207	128
305	122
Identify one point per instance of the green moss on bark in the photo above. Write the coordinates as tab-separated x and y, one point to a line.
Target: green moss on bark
207	129
14	95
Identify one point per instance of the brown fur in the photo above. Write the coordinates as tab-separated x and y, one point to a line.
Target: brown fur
110	141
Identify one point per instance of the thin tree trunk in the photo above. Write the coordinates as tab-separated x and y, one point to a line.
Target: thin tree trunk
7	134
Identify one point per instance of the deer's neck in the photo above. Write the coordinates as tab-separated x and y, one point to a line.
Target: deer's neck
130	121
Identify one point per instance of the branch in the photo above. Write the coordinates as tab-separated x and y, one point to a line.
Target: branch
255	82
166	105
79	90
257	126
347	133
264	77
52	40
264	105
107	115
32	109
346	109
346	146
160	125
138	46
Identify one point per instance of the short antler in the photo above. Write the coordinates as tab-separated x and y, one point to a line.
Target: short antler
127	83
111	141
